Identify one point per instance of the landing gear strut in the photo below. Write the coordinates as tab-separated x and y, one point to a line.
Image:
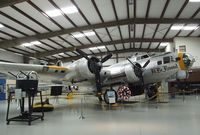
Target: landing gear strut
151	91
100	98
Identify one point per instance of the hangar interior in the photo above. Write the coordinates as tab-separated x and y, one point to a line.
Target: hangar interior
47	31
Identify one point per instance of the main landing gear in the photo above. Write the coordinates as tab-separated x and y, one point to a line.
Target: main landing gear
151	91
111	96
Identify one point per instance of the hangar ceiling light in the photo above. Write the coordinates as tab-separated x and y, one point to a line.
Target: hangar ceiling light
177	27
32	58
69	10
31	43
2	49
66	10
91	33
1	26
99	47
61	53
164	44
18	54
53	13
190	27
194	0
79	35
36	43
26	44
182	27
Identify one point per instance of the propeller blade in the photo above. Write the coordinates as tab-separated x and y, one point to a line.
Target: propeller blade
133	63
107	57
98	81
147	63
83	54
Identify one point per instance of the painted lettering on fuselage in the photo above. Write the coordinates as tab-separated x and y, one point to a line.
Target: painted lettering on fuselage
163	69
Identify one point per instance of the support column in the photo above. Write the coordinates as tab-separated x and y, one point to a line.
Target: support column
117	58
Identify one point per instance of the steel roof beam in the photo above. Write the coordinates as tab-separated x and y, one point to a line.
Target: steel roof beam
4	3
57	51
15	42
68	59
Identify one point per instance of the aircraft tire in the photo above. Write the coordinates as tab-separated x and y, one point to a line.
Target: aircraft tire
151	92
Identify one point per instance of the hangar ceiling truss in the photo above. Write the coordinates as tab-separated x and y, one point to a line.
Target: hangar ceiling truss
114	26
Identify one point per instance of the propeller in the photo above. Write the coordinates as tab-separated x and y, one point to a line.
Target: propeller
146	64
95	65
83	54
138	69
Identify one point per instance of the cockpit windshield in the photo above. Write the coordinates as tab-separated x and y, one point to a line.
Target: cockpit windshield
142	57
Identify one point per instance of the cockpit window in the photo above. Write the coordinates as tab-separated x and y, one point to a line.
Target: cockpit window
138	58
166	60
172	59
159	62
144	56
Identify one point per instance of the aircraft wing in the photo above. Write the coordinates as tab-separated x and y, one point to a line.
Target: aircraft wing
129	70
6	67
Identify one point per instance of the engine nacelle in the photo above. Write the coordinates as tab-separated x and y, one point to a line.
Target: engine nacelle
79	71
83	70
132	74
182	74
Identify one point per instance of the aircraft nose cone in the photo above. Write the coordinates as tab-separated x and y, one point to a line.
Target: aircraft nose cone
188	60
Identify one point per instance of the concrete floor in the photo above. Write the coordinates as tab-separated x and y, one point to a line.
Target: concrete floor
177	117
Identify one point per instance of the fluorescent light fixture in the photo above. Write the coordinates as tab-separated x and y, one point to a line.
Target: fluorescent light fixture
93	48
1	26
99	47
69	10
53	13
164	44
61	53
26	44
91	33
32	58
194	0
182	27
78	35
18	54
36	43
190	27
2	49
177	27
55	55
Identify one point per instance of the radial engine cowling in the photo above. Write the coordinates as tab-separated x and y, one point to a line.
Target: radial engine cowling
133	74
82	69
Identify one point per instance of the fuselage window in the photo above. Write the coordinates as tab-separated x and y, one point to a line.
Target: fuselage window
159	62
166	60
138	58
172	59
